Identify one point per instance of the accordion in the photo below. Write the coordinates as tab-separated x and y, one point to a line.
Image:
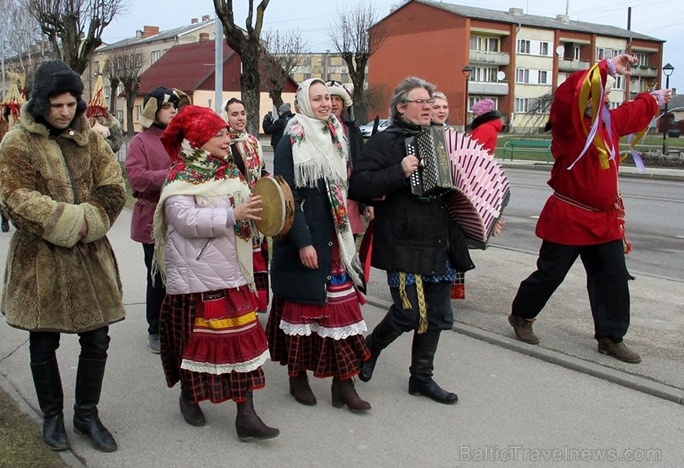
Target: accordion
473	186
433	177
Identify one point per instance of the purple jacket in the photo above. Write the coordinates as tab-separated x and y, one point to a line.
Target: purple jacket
147	164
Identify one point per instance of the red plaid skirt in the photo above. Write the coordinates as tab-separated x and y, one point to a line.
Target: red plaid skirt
327	340
260	259
213	344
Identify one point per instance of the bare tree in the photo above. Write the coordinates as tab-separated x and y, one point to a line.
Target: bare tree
283	54
247	44
124	67
351	36
74	27
20	37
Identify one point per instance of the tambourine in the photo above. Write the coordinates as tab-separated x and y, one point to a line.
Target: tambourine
277	204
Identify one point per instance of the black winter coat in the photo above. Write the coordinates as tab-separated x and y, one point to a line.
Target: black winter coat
276	128
313	225
410	234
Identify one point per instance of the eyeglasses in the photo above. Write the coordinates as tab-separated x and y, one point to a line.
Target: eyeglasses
420	102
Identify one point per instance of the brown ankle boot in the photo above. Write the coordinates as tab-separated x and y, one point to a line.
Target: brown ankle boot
301	391
191	411
618	351
249	425
523	329
344	393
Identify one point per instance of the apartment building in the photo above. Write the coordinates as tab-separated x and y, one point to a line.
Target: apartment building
511	57
146	47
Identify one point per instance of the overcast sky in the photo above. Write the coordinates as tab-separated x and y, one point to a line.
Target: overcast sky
661	19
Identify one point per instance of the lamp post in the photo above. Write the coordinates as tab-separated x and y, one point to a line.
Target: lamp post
667	70
467	70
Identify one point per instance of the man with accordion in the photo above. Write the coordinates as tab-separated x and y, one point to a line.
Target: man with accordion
414	240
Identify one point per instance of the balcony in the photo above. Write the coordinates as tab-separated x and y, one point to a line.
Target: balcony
488	89
490	58
572	65
645	71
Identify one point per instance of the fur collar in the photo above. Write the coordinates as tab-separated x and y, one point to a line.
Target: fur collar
77	131
484	118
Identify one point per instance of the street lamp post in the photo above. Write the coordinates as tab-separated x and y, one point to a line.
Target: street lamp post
667	70
467	70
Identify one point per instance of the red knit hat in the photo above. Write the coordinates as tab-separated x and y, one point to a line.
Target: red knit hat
194	123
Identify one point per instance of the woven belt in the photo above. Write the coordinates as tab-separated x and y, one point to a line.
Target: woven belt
575	203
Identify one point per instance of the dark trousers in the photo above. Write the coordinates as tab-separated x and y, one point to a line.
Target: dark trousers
438	303
606	284
156	292
94	345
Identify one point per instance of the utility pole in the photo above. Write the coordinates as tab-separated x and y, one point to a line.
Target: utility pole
218	65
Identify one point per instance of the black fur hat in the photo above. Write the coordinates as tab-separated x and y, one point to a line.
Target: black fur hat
54	77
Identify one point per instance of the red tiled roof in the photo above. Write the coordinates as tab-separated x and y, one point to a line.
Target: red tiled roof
188	67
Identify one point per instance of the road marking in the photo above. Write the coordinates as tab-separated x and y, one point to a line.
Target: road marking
534	217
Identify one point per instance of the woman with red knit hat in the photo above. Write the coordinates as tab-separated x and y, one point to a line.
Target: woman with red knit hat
211	339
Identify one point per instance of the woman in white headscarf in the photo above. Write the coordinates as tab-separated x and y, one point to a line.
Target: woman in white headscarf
315	322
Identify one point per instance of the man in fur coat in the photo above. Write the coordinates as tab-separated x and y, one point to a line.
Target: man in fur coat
62	187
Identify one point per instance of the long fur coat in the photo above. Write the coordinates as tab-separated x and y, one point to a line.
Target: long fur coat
48	187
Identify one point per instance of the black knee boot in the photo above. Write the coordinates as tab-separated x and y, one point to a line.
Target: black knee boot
422	364
48	385
379	339
88	388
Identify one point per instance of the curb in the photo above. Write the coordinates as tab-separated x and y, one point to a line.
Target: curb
673	175
635	382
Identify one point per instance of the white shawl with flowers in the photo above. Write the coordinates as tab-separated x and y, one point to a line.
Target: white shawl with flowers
320	151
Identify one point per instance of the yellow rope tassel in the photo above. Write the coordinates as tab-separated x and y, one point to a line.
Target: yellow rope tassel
422	308
405	303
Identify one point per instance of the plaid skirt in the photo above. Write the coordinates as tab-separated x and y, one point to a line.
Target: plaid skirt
260	259
327	340
213	344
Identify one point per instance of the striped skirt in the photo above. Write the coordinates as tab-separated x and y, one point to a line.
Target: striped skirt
327	340
213	344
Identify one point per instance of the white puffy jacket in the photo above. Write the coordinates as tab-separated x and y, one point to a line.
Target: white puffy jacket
200	247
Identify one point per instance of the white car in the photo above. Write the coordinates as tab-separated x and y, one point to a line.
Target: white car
367	128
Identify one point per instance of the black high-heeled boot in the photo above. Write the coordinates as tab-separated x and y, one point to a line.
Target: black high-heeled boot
191	411
249	425
48	385
422	364
379	339
86	420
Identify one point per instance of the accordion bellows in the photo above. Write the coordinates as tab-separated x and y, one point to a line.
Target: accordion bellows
472	184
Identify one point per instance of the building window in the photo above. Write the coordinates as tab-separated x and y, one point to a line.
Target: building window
522	75
108	91
484	44
138	60
97	67
642	59
484	74
576	53
544	49
619	82
523	46
543	77
521	105
119	115
138	112
155	55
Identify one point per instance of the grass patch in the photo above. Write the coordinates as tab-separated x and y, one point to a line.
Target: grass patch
21	439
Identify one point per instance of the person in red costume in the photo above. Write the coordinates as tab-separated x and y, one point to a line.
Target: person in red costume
486	124
584	217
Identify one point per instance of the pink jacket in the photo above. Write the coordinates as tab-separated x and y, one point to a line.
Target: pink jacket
147	164
200	246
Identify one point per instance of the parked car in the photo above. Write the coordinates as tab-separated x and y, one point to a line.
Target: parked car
367	128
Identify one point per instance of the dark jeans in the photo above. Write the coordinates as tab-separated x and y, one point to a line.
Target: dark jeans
94	345
606	284
156	292
438	303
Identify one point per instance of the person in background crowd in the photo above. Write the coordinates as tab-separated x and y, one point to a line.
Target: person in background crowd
415	240
439	112
584	217
341	102
147	165
101	120
62	187
212	341
486	124
276	127
315	322
249	159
